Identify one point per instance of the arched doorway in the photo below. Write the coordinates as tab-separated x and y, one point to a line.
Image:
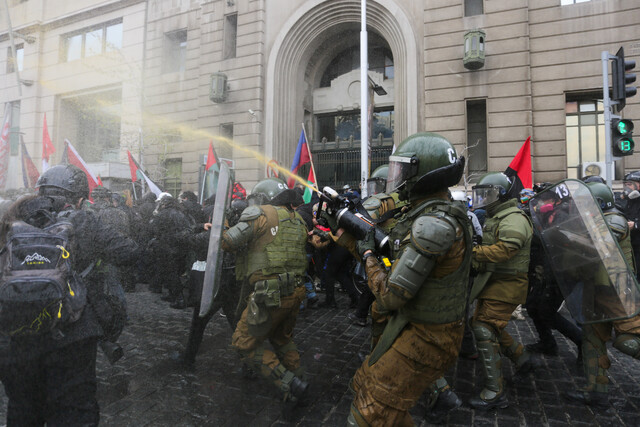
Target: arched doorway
310	40
334	130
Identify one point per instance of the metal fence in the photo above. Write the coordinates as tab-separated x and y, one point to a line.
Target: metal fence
337	167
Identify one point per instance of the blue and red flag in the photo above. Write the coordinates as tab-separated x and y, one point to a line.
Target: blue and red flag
302	157
519	170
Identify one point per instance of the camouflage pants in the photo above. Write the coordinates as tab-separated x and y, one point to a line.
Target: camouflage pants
386	390
252	349
497	315
594	349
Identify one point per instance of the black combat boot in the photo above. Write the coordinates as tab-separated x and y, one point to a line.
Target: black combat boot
446	400
297	396
499	401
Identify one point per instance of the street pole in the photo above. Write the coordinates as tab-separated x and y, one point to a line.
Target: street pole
364	104
608	116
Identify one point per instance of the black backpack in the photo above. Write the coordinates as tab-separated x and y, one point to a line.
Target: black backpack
39	291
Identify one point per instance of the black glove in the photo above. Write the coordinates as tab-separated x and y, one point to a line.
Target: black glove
368	243
330	220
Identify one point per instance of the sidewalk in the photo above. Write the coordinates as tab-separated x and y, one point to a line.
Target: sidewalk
147	388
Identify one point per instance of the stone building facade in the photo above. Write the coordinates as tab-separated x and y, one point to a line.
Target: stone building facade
294	62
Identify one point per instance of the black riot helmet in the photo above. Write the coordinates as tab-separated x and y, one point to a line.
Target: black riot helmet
632	176
593	178
68	181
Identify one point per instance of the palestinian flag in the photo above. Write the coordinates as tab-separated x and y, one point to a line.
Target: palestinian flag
519	170
137	170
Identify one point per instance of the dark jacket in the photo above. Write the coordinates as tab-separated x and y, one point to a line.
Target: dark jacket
91	241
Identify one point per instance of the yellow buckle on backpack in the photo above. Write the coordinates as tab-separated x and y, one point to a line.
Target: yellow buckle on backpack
65	253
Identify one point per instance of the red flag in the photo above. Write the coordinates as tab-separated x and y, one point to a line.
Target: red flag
47	146
520	169
30	173
74	158
212	159
100	181
5	146
133	166
302	157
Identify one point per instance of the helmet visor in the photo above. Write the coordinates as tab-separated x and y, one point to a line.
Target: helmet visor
401	169
484	195
375	186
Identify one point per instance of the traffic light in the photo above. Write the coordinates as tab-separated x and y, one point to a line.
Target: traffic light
621	137
621	78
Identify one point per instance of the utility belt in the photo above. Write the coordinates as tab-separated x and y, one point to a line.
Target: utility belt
270	291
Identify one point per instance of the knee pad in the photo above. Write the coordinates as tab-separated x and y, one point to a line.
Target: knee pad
483	332
628	344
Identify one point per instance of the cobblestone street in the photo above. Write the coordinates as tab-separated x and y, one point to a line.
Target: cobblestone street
146	387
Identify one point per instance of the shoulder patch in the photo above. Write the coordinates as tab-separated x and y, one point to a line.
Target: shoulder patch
433	234
252	212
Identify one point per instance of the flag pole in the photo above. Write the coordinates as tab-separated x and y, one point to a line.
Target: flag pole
315	179
133	185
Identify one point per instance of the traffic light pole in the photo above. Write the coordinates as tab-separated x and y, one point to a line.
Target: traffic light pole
608	116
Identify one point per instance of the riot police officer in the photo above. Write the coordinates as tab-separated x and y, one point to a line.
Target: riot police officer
269	240
631	196
594	350
377	182
503	258
425	291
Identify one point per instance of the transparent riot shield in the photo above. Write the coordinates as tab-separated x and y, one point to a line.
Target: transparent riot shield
213	270
593	275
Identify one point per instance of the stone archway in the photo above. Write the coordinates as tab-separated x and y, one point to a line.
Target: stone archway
303	34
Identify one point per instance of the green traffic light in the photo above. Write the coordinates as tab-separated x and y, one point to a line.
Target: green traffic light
626	145
622	127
